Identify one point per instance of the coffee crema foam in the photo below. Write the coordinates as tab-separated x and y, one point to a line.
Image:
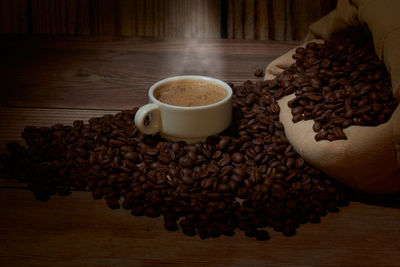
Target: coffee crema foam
190	93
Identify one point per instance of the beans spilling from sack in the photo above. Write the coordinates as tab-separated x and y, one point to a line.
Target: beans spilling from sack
248	178
337	85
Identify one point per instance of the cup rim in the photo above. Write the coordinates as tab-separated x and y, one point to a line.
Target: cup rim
198	77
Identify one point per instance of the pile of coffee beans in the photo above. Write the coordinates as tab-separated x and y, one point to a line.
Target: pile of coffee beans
337	85
248	178
259	73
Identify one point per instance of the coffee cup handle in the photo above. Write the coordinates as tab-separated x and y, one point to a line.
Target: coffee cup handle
154	125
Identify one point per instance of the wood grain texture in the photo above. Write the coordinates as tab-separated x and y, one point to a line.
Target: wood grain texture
71	17
274	19
302	13
245	19
13	16
102	17
278	15
40	17
261	27
82	26
249	20
117	74
63	79
76	230
140	17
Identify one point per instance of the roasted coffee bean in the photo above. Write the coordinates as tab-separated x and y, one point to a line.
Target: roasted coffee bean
152	212
321	135
164	157
63	191
186	162
339	134
225	160
300	162
237	157
187	180
176	147
297	110
206	183
347	123
113	203
171	225
314	218
128	203
223	188
251	232
297	118
262	235
97	193
131	156
259	73
317	126
212	167
41	195
223	142
290	163
292	203
275	108
138	211
289	230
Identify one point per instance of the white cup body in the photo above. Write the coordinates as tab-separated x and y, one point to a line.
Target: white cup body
189	124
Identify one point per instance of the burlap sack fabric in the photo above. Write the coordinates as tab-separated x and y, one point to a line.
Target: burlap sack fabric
369	159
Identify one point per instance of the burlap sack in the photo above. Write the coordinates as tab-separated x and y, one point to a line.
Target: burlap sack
369	159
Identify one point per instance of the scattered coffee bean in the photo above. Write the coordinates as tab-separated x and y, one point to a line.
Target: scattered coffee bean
262	235
259	73
171	225
113	203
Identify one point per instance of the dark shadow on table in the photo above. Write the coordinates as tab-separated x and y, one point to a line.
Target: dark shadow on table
389	201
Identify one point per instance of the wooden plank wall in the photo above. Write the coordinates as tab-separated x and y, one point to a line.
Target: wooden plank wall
239	19
274	19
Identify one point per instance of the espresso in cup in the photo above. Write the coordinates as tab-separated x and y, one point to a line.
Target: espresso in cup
186	108
190	93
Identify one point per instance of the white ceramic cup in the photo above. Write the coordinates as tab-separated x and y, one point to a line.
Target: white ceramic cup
189	124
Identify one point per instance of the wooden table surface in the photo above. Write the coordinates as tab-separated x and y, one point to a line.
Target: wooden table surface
46	81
